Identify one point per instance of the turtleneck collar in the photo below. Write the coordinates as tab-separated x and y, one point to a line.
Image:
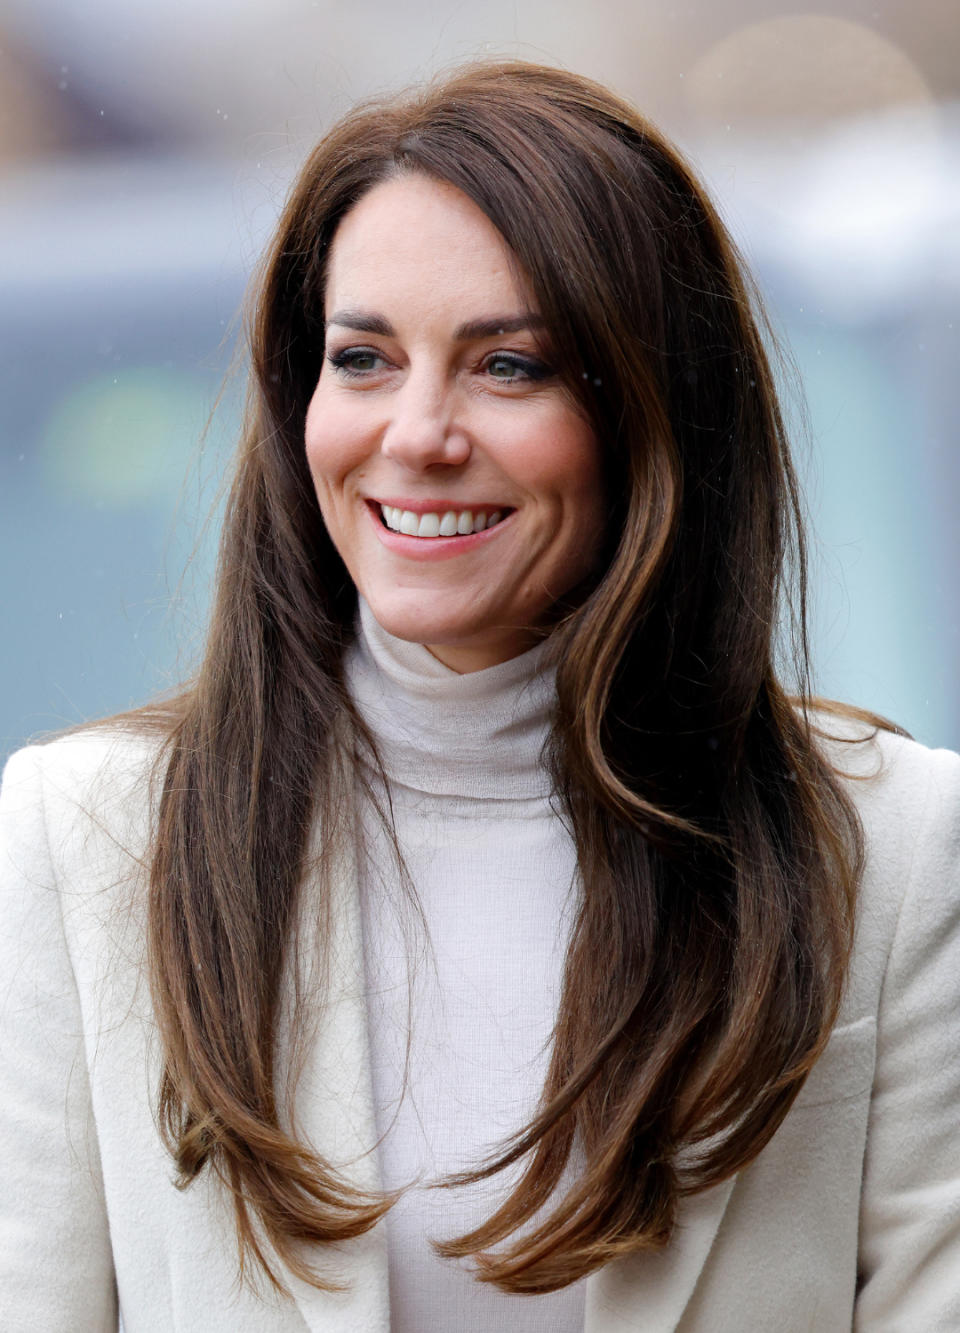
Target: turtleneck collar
478	735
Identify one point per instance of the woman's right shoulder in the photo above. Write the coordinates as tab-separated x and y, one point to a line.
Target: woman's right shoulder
89	759
99	782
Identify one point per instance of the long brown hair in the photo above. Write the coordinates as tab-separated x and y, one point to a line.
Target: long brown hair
717	851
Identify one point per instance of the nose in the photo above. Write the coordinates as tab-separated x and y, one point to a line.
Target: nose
423	430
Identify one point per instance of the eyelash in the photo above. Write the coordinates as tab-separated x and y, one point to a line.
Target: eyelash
341	361
529	369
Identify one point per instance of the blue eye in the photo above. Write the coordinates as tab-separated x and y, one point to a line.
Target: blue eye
355	360
512	368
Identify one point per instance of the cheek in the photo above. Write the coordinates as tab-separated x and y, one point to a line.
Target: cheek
314	436
571	469
330	444
581	497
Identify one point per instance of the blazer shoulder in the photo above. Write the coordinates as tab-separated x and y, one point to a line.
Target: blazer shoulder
907	798
887	774
86	762
88	790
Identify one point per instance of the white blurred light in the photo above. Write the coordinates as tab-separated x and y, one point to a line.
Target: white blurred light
865	214
112	219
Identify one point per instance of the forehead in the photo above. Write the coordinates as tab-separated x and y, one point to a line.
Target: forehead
415	239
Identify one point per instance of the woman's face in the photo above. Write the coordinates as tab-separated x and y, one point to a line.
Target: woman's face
456	476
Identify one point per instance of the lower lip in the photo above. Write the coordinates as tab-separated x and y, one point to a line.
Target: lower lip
433	548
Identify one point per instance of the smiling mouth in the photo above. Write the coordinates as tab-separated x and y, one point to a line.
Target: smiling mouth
441	523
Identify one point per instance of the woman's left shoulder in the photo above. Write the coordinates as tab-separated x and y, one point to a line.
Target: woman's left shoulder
901	789
902	1010
908	800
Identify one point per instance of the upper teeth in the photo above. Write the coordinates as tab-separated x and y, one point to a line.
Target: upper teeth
450	523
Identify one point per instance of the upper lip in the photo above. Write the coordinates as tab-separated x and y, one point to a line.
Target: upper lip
437	506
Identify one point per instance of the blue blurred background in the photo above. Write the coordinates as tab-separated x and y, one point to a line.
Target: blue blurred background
145	152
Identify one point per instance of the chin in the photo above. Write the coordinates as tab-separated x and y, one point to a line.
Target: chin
414	622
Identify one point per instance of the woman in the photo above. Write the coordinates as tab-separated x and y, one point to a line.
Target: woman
488	850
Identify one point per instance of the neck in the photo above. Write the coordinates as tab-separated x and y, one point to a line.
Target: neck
465	658
478	733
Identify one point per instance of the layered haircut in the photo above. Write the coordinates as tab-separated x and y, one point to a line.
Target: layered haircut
718	854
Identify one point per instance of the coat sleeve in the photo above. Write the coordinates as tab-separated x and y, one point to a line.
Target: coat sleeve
56	1269
910	1215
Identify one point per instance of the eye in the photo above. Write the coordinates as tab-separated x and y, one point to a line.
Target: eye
356	360
509	367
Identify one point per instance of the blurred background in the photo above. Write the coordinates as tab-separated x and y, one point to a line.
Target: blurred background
145	151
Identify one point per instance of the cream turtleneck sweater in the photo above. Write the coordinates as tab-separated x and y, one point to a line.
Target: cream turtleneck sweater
494	874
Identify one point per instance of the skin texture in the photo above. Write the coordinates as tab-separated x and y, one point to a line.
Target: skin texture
414	408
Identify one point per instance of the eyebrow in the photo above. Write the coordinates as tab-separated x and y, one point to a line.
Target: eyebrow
367	322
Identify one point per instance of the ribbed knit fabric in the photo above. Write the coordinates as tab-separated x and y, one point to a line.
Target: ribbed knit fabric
494	874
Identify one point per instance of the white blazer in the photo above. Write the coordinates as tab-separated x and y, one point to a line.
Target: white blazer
849	1218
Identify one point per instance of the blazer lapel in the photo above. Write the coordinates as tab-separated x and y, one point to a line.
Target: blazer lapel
648	1292
334	1108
